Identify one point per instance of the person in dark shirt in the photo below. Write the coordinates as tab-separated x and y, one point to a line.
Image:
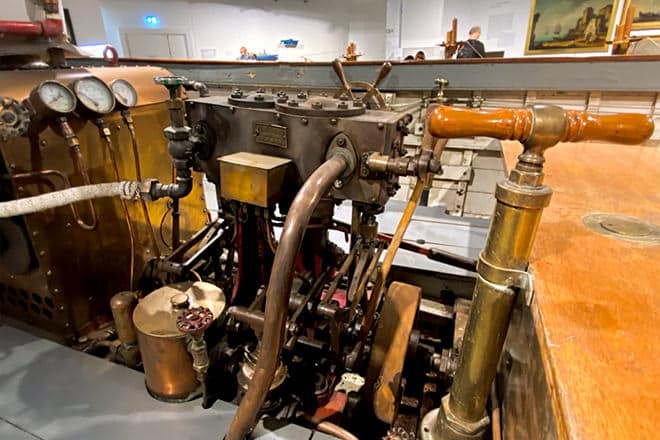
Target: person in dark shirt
472	48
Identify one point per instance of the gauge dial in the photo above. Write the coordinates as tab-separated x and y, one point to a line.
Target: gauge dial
125	93
56	97
94	95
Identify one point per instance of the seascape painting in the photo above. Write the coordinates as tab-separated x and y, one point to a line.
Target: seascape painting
647	14
570	26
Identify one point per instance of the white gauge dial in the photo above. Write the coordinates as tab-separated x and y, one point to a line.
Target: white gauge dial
94	94
57	97
125	93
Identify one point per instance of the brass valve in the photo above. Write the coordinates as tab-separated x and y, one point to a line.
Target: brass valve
418	165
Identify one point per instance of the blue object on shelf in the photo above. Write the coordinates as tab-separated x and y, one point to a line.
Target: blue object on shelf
290	42
267	57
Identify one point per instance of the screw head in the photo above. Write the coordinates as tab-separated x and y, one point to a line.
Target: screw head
341	141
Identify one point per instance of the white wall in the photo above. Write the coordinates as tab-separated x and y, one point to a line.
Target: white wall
381	28
87	21
13	10
324	28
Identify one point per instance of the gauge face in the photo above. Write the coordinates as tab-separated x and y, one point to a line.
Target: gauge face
94	94
57	97
125	93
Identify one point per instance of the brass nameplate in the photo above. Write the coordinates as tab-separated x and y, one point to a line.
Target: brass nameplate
270	134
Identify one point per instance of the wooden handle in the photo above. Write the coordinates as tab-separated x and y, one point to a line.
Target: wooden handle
518	124
622	128
385	70
339	70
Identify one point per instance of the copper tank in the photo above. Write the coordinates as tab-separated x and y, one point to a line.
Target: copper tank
169	374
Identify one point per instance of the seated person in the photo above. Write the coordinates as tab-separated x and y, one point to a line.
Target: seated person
472	48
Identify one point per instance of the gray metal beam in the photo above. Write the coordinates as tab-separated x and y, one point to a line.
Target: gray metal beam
620	74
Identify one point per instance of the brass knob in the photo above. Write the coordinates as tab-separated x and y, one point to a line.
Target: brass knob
180	301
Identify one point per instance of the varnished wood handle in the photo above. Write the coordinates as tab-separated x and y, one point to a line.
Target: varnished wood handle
339	70
385	70
520	124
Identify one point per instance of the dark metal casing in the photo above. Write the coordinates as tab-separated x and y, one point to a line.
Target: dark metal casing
304	138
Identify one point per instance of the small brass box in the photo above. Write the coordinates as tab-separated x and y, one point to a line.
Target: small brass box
252	178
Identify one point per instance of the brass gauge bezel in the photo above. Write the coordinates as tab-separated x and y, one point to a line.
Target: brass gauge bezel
120	102
82	106
42	108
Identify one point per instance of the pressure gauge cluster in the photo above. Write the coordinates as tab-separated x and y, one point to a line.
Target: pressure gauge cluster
94	95
124	92
88	96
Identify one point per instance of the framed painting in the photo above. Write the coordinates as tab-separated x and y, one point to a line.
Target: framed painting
570	26
647	14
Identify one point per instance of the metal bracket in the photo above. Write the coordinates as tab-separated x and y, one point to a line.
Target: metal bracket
520	279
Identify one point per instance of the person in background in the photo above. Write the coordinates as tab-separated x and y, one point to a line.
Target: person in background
472	48
245	55
420	56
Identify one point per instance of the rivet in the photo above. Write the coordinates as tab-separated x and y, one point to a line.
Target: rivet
49	273
35	233
118	127
42	253
43	143
381	125
56	290
304	121
333	121
20	189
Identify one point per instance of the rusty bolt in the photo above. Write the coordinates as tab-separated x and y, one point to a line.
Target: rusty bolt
302	95
317	105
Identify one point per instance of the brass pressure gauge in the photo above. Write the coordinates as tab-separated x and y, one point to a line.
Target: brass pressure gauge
53	97
125	94
94	95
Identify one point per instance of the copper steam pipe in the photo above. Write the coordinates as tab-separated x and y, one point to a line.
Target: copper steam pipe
279	288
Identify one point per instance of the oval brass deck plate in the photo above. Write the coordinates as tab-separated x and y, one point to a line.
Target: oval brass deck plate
622	227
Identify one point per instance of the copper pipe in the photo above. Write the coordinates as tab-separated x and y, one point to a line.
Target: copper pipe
103	130
329	428
279	288
128	120
79	162
65	181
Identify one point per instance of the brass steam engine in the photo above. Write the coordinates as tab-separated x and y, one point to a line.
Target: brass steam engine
108	248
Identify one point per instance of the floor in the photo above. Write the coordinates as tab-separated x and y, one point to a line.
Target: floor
50	392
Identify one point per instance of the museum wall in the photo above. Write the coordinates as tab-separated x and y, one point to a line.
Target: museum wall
382	29
87	20
323	28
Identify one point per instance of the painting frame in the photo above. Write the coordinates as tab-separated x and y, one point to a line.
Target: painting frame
604	47
636	26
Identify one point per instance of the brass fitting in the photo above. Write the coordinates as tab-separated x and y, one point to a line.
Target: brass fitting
501	270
